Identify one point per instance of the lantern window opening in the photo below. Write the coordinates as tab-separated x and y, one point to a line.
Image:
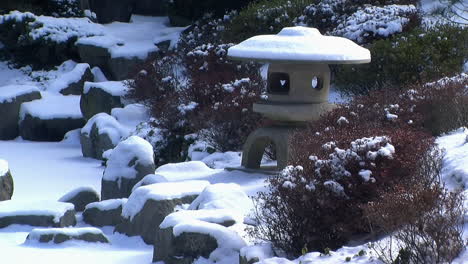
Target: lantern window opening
278	83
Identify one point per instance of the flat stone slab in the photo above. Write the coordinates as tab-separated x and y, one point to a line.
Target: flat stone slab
101	97
39	213
104	213
61	235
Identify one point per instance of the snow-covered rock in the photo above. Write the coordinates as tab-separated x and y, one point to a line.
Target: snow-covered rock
147	206
104	213
60	235
37	213
6	181
11	98
50	118
80	197
72	82
255	253
130	161
101	97
101	133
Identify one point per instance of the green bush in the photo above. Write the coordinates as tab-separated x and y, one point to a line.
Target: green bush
415	57
264	17
57	8
184	12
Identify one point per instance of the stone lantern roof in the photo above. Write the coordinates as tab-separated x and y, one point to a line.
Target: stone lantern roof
300	45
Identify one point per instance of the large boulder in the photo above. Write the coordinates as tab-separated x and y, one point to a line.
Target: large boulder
101	97
108	11
187	235
11	98
95	55
130	161
73	80
38	213
151	7
104	213
80	197
101	133
147	206
60	235
6	181
50	118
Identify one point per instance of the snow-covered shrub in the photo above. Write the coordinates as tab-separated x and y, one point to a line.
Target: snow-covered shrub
44	40
195	89
56	8
354	156
413	57
65	8
432	216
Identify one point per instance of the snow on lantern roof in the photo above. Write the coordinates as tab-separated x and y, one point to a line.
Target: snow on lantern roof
300	45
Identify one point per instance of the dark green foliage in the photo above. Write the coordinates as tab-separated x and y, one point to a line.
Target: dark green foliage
57	8
184	12
415	57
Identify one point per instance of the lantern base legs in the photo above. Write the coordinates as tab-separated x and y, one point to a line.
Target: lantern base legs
260	139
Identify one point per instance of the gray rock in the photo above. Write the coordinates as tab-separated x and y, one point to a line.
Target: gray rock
54	214
146	222
6	186
133	153
183	249
94	136
60	235
93	55
108	11
121	68
76	88
244	260
96	101
9	110
36	129
80	198
105	213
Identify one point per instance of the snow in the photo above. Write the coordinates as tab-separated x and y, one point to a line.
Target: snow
455	162
184	170
127	150
3	167
36	233
149	179
126	39
106	124
365	175
114	88
52	106
9	92
161	191
131	115
71	194
217	216
107	205
300	44
223	196
98	75
67	78
11	75
47	208
261	251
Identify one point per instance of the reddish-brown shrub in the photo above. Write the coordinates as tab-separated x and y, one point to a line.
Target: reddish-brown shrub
369	150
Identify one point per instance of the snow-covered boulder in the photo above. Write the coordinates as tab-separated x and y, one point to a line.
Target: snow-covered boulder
60	235
50	118
147	206
255	253
101	133
6	181
130	161
104	213
148	180
101	97
184	239
11	98
38	213
108	11
72	82
80	197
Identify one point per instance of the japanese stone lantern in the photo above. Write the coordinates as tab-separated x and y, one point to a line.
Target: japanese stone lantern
298	83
